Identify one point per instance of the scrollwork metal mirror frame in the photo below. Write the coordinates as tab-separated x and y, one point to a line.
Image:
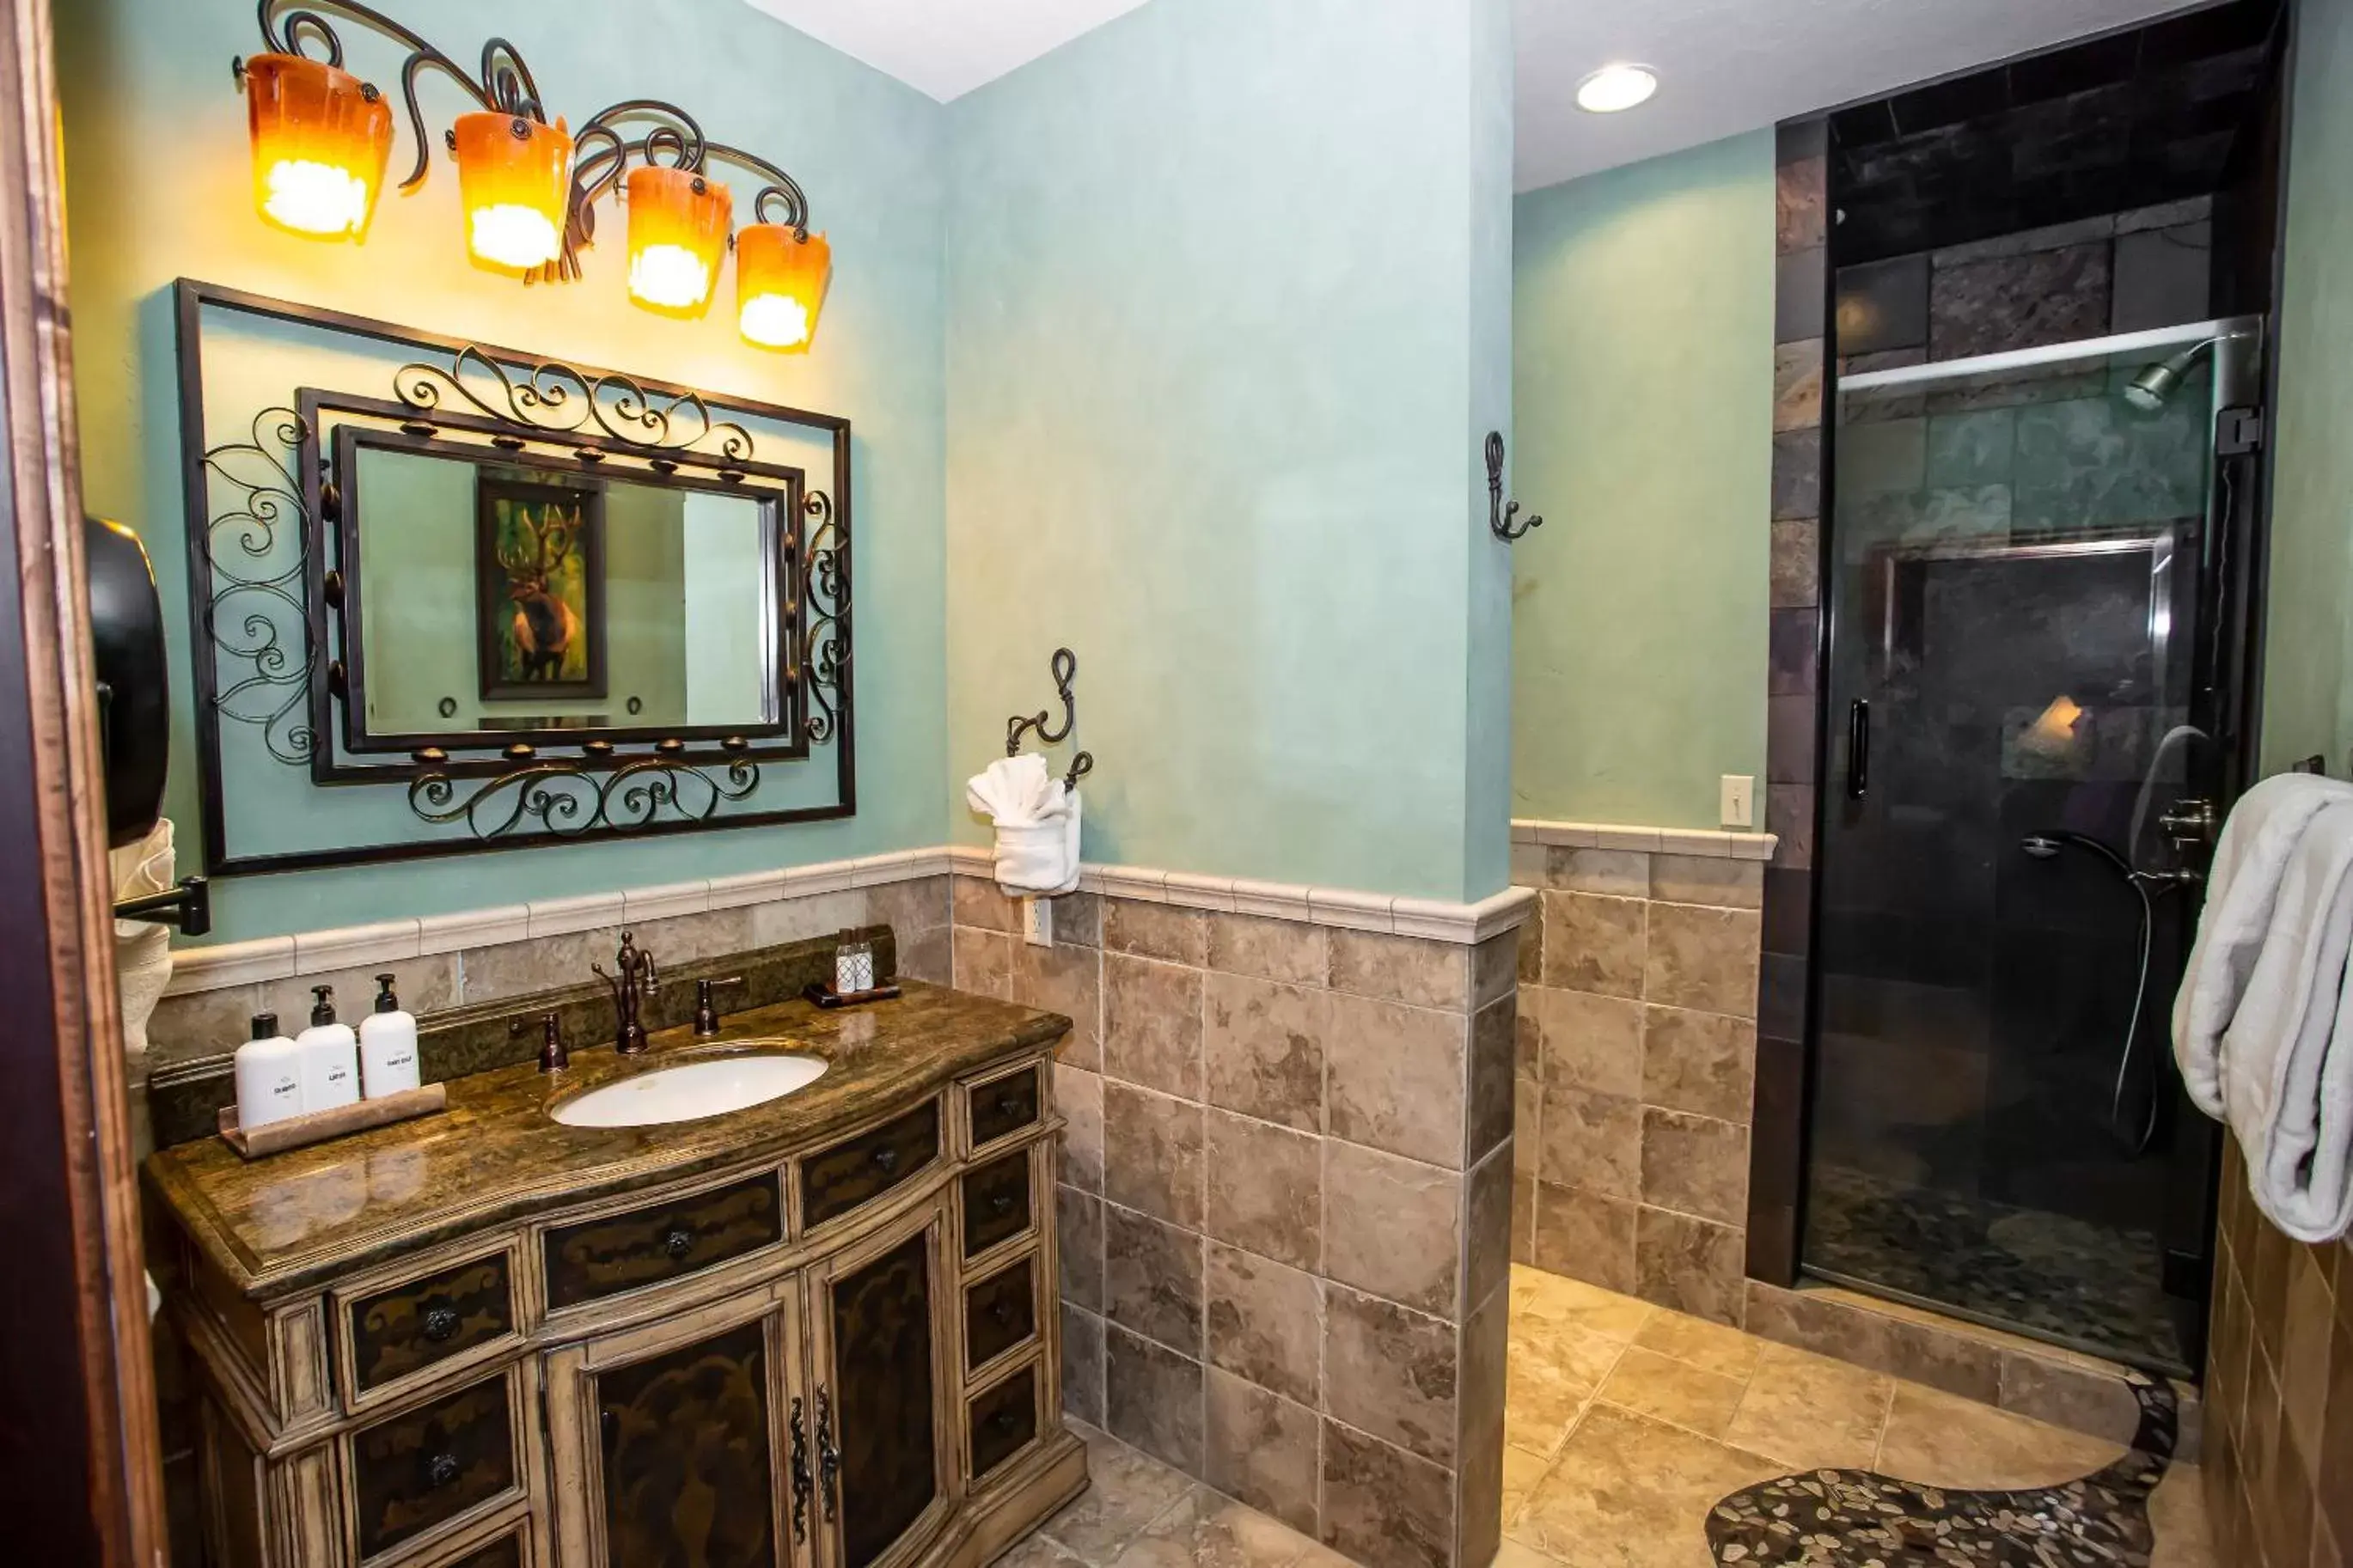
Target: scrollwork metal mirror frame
481	398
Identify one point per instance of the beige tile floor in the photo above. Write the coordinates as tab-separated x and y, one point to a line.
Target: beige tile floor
1623	1423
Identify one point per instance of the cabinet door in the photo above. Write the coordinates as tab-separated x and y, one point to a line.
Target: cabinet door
671	1443
885	1448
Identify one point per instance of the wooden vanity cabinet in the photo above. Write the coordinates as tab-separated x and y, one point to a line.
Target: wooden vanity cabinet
844	1356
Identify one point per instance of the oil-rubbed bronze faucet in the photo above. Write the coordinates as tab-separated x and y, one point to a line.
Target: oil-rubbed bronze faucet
635	980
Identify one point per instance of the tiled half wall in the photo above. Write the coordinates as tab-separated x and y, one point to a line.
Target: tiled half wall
1285	1202
1636	1059
2279	1390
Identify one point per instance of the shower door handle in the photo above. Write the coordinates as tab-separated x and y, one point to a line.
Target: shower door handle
1858	749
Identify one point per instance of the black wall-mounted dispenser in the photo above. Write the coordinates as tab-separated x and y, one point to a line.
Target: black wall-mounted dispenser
134	708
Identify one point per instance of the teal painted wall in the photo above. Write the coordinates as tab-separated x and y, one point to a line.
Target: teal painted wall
1227	314
159	186
1643	334
2308	619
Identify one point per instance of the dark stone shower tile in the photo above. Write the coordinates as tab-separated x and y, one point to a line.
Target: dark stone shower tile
1790	813
1883	305
1797	567
1797	474
1972	448
1795	139
1789	739
1789	911
1781	996
1789	661
1801	196
2162	277
1798	306
1798	384
2019	301
1776	1159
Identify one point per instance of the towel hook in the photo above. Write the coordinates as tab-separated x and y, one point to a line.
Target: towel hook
1065	668
1500	512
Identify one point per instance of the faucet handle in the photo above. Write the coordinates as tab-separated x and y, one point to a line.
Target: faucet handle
553	1054
706	1012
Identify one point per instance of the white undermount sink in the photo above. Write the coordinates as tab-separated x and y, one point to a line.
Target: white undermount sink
691	1092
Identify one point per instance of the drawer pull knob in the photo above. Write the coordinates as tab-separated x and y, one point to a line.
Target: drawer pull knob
1003	1313
678	1242
441	1471
1002	1203
1009	1105
886	1159
442	1325
1005	1420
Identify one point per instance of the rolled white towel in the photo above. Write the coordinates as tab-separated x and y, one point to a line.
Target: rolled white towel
1037	819
2288	1063
2242	893
1012	790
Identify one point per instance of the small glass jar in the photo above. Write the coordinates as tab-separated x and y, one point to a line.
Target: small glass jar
853	967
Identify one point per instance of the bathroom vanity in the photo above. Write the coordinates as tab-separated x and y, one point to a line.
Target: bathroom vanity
816	1332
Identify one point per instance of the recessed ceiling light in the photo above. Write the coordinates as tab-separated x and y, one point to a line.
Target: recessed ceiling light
1613	88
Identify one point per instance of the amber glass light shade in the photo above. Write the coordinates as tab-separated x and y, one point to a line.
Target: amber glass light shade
514	180
780	282
321	139
678	236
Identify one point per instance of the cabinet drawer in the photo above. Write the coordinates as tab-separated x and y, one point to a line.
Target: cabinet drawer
509	1548
1001	1421
996	1203
1002	1107
663	1241
426	1466
407	1327
860	1170
999	1312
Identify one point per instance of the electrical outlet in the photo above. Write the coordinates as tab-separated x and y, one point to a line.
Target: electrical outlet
1739	800
1037	922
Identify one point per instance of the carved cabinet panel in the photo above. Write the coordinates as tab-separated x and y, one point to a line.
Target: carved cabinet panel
666	1440
884	1463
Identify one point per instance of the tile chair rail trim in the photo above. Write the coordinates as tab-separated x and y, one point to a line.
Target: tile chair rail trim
225	964
1723	846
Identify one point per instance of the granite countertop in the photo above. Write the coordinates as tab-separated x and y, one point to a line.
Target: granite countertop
289	1222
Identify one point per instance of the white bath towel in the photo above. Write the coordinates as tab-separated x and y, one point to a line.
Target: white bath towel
2258	1025
2241	892
1037	819
142	949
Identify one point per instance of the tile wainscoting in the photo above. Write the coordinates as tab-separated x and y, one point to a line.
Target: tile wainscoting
1636	1058
2279	1390
1638	1100
1285	1194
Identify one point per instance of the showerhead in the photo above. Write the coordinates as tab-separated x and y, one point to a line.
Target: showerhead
2154	387
2156	384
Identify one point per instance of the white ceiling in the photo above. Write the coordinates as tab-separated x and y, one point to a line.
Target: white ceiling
1729	66
1724	66
945	48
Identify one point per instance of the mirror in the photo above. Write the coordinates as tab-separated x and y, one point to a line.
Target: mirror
492	599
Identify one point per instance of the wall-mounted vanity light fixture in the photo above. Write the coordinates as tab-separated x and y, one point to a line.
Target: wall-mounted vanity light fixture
322	142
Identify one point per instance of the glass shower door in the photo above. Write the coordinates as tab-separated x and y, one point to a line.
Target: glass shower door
2020	556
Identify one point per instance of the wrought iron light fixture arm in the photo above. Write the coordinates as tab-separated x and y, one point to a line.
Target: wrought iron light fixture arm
604	150
504	85
1501	514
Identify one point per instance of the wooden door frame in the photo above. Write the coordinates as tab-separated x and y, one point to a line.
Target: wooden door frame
80	1472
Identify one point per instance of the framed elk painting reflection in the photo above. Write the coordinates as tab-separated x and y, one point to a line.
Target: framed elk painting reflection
539	575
